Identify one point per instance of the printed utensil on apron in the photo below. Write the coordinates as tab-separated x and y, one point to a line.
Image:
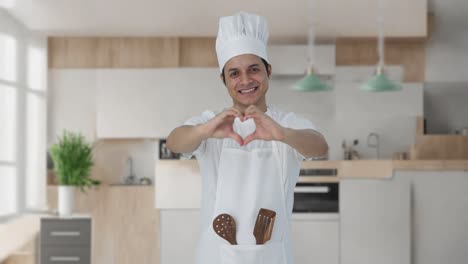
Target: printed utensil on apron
225	226
264	225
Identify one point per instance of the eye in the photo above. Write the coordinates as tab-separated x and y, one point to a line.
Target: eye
233	74
254	69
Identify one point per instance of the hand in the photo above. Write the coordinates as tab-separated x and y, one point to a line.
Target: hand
266	127
221	126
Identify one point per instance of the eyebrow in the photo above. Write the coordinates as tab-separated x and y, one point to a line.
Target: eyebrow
250	66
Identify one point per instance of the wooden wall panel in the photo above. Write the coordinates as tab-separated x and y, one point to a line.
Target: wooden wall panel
438	147
198	52
410	53
443	147
72	52
159	52
115	52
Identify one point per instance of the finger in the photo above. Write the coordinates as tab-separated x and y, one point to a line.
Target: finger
237	111
254	116
249	138
251	109
230	113
237	138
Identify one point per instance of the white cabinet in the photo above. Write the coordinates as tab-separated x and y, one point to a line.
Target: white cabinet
375	221
71	102
440	215
177	184
149	103
179	234
316	240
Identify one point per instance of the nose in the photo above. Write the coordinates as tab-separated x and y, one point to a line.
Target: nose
245	78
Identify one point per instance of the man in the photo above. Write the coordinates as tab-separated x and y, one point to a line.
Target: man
249	154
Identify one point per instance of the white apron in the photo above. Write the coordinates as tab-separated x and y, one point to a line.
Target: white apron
247	181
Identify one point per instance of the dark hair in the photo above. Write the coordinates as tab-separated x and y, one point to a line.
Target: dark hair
263	60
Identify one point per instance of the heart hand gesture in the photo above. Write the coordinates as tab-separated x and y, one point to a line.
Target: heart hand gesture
221	126
266	127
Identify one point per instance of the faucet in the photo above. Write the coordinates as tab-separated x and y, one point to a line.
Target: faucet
374	137
130	179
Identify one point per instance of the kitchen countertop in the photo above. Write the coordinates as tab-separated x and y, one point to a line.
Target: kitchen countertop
355	168
383	168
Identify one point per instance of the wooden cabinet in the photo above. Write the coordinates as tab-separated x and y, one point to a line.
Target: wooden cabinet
113	52
375	221
316	240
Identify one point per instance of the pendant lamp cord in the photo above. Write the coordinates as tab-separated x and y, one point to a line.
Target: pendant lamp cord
311	35
380	22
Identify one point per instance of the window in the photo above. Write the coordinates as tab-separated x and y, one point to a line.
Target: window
23	93
8	126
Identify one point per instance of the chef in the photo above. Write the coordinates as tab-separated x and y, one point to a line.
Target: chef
249	153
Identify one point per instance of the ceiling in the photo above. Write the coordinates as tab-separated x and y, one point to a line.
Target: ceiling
287	19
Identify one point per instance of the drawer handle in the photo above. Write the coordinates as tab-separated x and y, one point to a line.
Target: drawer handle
64	258
312	189
65	233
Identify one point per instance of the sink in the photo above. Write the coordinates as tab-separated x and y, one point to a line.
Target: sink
128	184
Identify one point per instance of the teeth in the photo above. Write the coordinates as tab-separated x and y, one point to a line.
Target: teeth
247	91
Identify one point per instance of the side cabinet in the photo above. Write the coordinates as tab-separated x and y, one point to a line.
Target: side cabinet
65	240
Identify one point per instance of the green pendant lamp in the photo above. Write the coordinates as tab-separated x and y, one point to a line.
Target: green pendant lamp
380	82
311	82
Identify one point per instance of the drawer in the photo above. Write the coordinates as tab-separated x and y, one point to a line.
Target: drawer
65	232
65	255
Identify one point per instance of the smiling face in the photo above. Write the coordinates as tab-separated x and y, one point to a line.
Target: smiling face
246	79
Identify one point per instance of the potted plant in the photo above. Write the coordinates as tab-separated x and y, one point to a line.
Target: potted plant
73	160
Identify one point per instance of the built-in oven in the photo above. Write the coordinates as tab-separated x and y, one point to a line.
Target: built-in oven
317	191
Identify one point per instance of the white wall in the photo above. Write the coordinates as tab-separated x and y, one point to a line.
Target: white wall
446	87
344	113
447	50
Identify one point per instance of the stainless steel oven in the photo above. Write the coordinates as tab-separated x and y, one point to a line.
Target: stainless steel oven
312	196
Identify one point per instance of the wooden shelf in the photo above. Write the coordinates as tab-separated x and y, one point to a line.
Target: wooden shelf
438	147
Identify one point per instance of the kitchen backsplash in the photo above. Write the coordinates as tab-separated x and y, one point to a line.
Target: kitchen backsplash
111	159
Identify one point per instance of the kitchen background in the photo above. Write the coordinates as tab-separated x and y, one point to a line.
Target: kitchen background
124	92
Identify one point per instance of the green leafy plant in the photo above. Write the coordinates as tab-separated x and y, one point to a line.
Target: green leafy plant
73	160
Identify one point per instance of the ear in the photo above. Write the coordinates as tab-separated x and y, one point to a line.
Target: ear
269	71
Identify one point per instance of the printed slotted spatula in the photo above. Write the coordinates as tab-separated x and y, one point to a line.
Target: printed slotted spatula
225	226
264	225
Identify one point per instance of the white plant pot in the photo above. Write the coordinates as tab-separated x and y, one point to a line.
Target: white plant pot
66	200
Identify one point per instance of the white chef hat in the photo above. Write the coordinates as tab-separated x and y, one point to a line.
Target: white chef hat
242	33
